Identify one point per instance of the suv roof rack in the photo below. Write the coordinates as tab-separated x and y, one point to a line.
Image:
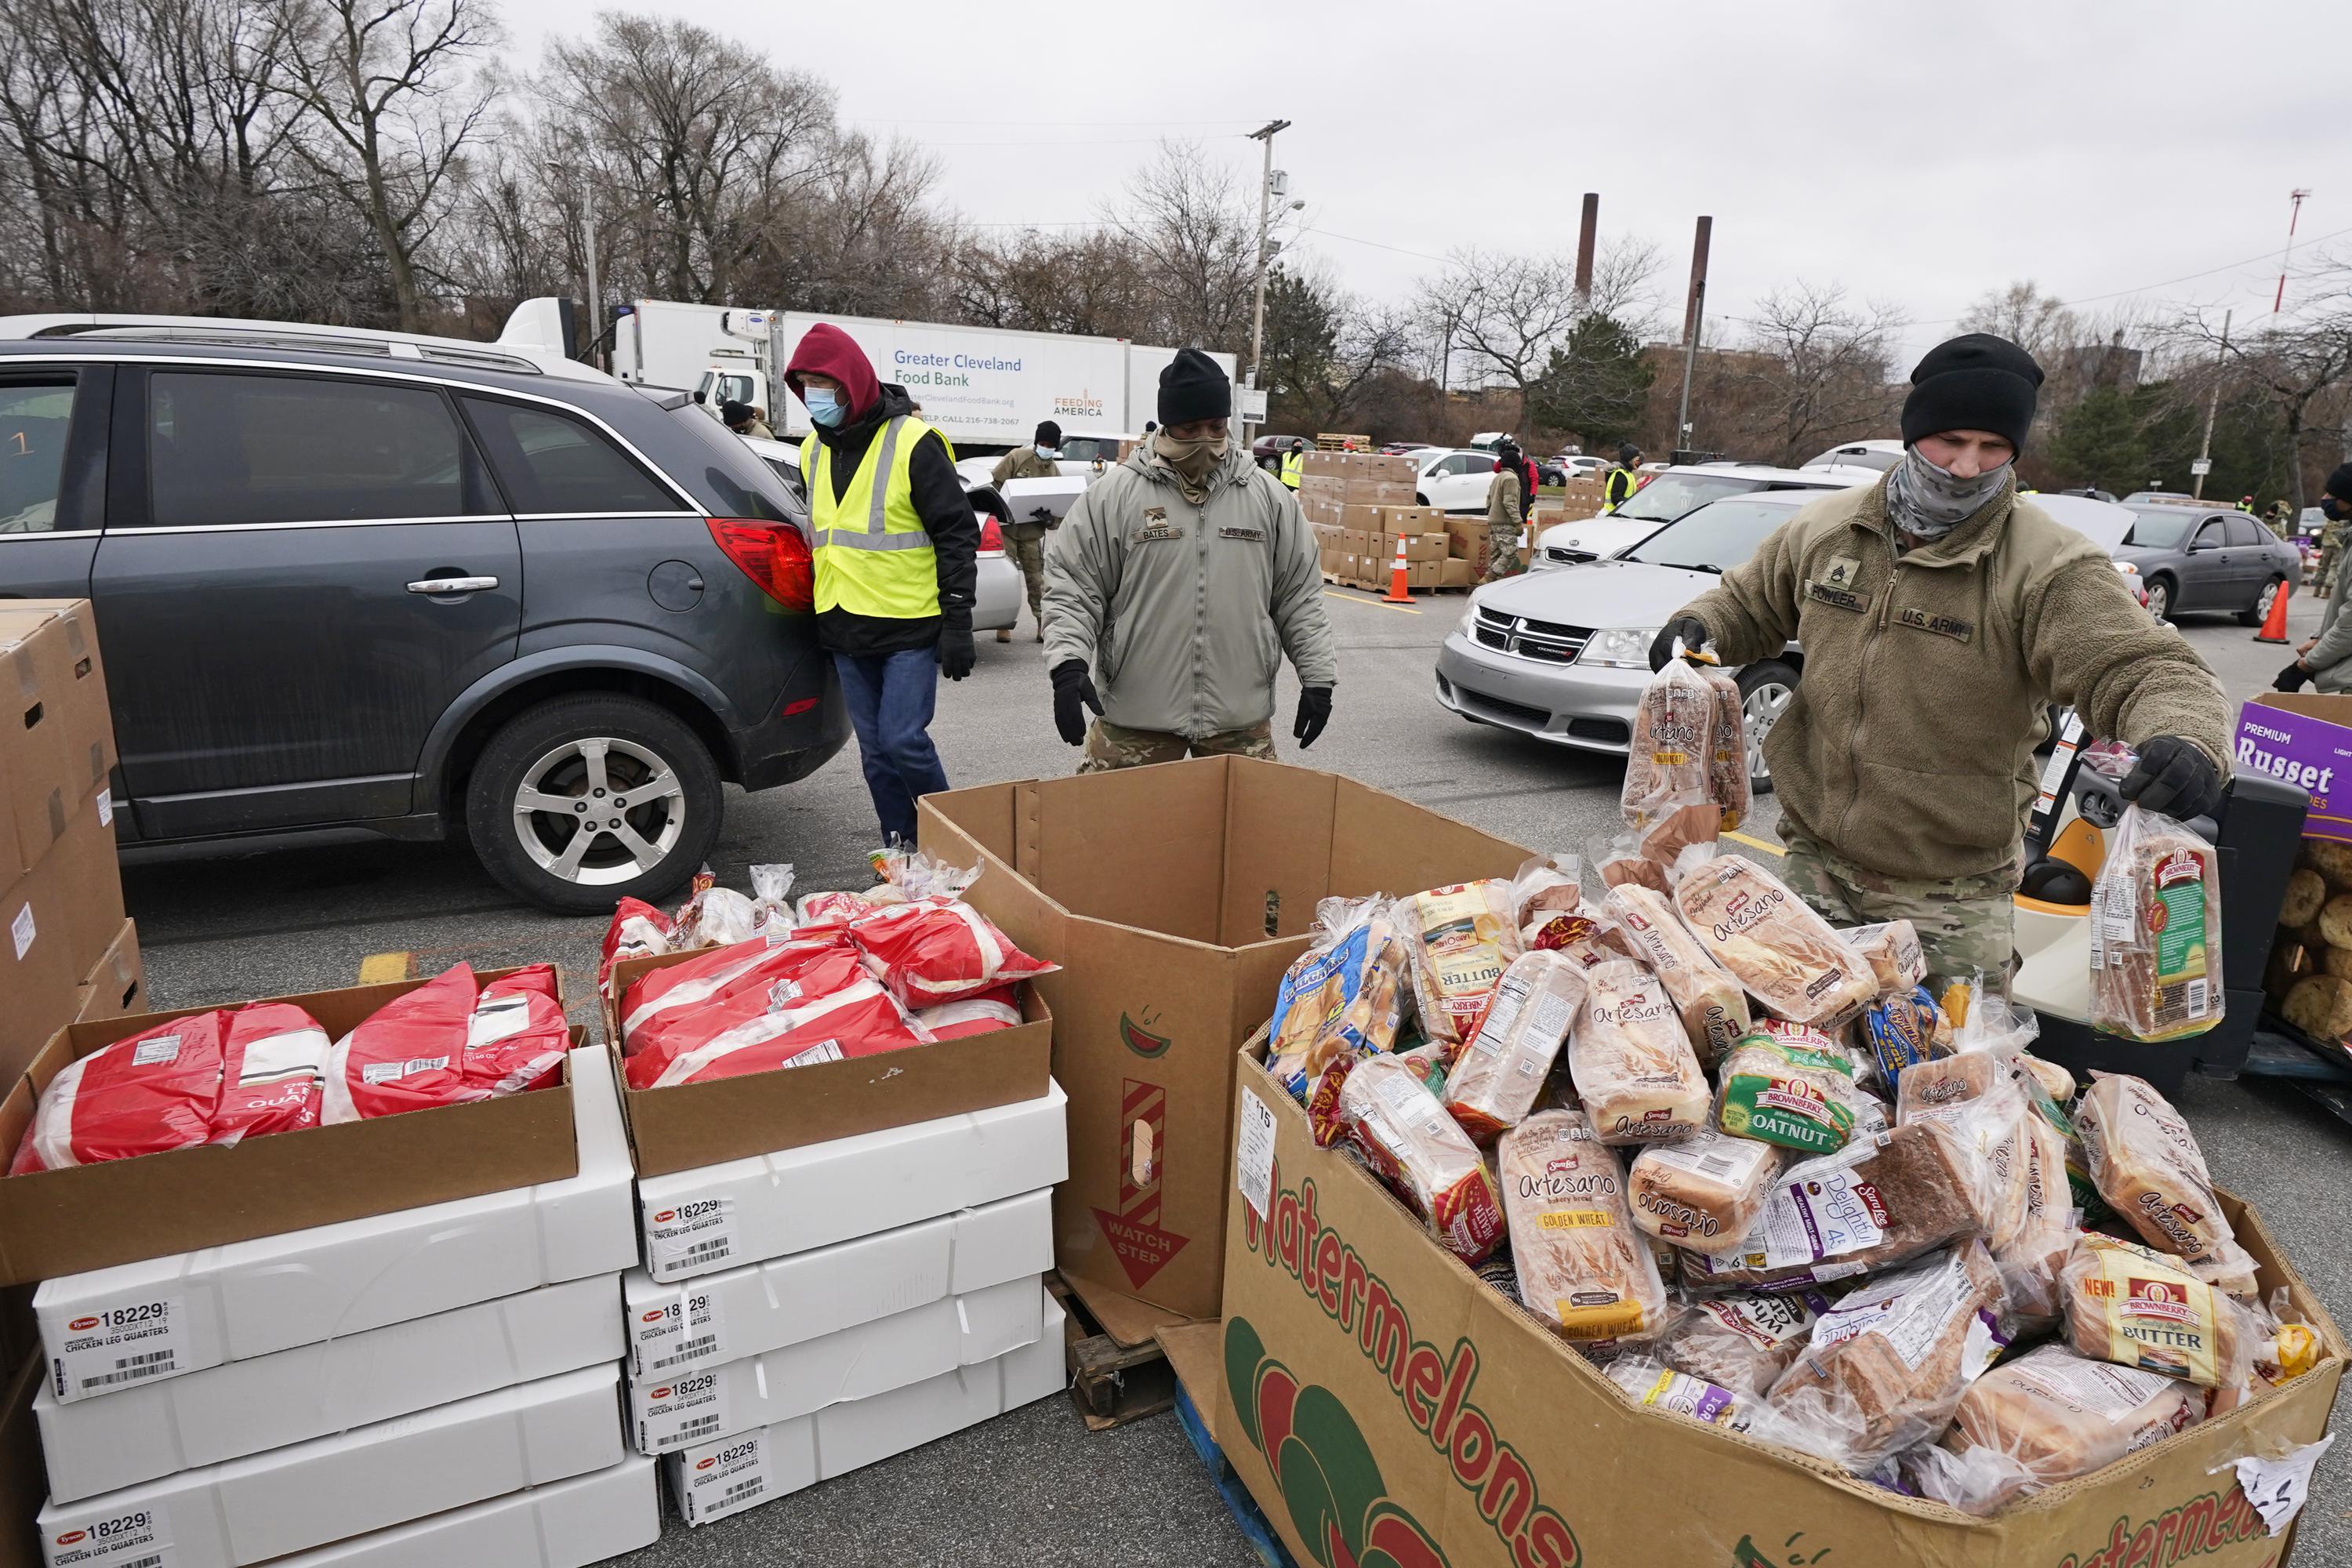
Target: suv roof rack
320	339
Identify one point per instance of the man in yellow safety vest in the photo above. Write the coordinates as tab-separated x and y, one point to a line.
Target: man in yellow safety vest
1624	478
896	547
1294	463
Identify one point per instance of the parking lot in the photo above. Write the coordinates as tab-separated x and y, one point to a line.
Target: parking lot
1036	1487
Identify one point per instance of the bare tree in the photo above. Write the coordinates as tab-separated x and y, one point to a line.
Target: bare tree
2039	323
1196	237
392	114
1817	368
2299	364
1507	313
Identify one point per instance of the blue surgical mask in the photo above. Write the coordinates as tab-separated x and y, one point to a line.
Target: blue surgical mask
823	408
1048	453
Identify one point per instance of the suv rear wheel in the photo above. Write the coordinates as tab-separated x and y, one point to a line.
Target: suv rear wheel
584	800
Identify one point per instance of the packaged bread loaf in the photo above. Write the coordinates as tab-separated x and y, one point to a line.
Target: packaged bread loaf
1461	938
1727	754
1544	886
1712	1005
1343	997
1891	950
1494	1081
2147	1166
2156	932
1785	954
1742	1343
1390	1111
1980	1099
2138	1306
1799	1097
1904	1348
1631	1062
1581	1265
2047	1416
1902	1029
1580	937
1703	1194
1874	1203
2030	1260
1668	763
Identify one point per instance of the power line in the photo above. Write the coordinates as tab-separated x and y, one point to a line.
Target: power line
1052	141
1376	245
900	120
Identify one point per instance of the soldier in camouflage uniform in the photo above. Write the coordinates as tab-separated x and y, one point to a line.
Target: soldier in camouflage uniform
2331	545
1503	521
1025	538
1963	922
1112	746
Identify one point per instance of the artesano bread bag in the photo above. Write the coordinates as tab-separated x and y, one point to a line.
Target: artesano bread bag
1631	1062
1713	1007
1581	1266
1704	1194
2149	1169
1785	954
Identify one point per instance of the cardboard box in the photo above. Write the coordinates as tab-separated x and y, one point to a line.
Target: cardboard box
290	1499
1355	543
2304	738
56	742
1456	572
1173	942
116	985
260	1296
150	1430
691	1125
724	1316
715	1480
22	1492
699	1221
36	972
1352	466
1417	546
91	1217
710	1403
1448	1424
566	1524
1411	520
82	867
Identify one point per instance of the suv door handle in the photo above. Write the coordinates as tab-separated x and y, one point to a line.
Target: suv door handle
452	584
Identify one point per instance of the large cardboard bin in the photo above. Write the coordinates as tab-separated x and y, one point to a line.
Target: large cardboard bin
1379	1398
1174	897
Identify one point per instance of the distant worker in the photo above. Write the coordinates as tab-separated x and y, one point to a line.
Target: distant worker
2246	505
1175	574
1293	464
1505	515
897	548
2324	659
1024	536
2331	544
1941	617
1623	480
744	420
2281	519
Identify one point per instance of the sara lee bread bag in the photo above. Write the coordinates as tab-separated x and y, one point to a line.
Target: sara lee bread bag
1713	1007
1631	1062
1581	1265
1704	1194
2148	1168
1461	938
2156	932
1494	1083
1387	1107
1785	954
1743	1343
2047	1416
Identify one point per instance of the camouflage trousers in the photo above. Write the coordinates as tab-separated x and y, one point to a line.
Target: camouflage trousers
1967	925
1501	551
1111	746
2323	572
1025	543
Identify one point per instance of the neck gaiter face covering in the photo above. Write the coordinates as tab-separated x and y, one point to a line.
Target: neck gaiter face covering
1928	502
1192	460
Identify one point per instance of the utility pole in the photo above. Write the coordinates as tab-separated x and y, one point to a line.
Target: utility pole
1264	135
1693	318
2204	463
2293	213
588	238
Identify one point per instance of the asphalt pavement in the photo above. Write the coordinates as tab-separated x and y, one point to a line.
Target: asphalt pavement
1036	1487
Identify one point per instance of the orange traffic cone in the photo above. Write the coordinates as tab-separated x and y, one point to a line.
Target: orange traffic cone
2274	624
1396	594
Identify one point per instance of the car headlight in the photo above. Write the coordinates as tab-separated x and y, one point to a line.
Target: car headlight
1469	627
2127	569
1620	647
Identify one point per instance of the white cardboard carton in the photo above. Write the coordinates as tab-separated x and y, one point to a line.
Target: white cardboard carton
699	1221
715	1480
760	1307
568	1524
198	1310
331	1488
704	1406
95	1445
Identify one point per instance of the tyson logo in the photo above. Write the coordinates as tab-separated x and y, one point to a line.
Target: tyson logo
661	1393
706	1464
82	1325
71	1536
653	1317
664	1217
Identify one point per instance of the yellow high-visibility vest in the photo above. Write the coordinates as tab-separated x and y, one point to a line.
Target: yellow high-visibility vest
1292	462
874	557
1621	484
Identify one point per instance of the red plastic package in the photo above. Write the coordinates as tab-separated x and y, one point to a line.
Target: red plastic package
273	1072
683	1017
638	931
859	1020
408	1055
939	949
982	1013
517	1038
679	989
148	1094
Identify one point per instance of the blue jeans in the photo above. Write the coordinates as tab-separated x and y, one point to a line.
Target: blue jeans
889	696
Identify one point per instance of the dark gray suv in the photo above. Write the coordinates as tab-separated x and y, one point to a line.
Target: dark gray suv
417	586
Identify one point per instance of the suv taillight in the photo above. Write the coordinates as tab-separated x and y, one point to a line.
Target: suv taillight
773	556
991	537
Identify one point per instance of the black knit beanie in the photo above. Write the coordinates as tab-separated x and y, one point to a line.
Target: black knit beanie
1977	382
1193	387
1048	433
2339	483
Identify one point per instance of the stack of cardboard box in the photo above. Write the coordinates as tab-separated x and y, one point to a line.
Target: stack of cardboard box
69	952
1360	504
839	1265
393	1343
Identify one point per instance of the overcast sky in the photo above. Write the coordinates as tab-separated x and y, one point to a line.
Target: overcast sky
1919	153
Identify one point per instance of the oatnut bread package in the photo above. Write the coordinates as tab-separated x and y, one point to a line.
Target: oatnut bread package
1797	1096
1631	1061
1785	954
1581	1265
1494	1083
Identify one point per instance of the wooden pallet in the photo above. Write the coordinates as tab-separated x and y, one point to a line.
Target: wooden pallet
1111	1383
1248	1517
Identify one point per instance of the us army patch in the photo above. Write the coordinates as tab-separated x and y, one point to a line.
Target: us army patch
1840	598
1942	626
1844	570
1254	535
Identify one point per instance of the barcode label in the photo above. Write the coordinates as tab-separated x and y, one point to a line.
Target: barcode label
686	1410
688	1351
136	1538
702	1251
1716	1164
700	1426
2197	995
133	1369
690	1238
739	1492
133	1341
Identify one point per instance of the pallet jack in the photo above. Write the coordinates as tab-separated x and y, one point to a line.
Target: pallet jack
2255	835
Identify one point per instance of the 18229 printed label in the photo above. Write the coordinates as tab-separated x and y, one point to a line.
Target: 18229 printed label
130	1538
726	1481
136	1341
681	1331
684	1410
691	1237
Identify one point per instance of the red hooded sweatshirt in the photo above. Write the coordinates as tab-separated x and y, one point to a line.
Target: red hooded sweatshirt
828	351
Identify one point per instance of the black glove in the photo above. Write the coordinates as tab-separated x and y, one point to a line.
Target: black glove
2294	677
1690	628
2175	778
1073	694
1313	712
956	655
